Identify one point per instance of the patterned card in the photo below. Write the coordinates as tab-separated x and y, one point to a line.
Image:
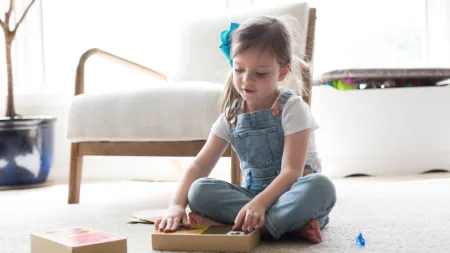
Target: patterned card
79	236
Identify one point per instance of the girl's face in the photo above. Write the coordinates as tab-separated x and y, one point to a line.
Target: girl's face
255	75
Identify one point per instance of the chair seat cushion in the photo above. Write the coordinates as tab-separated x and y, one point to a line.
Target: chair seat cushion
172	111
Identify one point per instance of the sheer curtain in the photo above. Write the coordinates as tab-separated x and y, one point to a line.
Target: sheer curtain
133	29
349	33
438	32
27	49
369	33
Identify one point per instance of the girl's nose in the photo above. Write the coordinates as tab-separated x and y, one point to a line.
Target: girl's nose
247	78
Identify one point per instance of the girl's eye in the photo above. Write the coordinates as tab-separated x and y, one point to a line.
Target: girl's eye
238	70
261	74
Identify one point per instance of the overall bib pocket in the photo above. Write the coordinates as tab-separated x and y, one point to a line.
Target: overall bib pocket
259	148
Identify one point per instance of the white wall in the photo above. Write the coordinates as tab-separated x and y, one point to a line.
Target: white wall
101	168
348	139
161	168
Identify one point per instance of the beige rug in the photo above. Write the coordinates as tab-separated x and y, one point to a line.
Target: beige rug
395	215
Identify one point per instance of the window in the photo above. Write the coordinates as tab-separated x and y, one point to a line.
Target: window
2	66
27	49
349	34
131	29
438	35
371	33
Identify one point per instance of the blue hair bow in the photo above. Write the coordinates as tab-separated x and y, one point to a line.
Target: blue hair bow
226	42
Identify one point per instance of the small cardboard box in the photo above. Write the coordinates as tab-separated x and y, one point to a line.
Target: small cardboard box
77	240
216	238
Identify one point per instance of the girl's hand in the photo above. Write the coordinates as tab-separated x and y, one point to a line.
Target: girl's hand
250	217
175	216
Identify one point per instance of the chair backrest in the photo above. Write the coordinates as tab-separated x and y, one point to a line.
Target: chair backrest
198	53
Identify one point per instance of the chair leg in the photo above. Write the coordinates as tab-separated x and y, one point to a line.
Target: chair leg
236	174
76	165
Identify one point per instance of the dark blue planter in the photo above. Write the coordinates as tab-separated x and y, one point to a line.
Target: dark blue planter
26	150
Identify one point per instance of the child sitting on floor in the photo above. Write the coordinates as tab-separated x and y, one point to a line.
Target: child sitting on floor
271	129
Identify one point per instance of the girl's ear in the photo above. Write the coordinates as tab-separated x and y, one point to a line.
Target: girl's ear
284	72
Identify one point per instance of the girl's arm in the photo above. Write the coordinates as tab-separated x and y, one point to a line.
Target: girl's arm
202	166
292	166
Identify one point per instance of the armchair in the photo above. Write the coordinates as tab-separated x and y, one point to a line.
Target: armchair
174	118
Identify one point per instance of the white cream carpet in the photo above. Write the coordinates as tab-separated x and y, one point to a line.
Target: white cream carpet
395	215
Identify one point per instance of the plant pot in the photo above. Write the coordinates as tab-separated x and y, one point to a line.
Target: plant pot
26	150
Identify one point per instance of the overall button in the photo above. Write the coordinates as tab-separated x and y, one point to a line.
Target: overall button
275	112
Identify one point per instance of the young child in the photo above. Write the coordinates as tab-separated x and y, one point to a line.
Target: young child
270	128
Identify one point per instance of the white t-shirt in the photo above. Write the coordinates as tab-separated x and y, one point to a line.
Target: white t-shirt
296	116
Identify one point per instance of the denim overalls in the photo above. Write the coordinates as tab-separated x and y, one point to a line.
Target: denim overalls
258	139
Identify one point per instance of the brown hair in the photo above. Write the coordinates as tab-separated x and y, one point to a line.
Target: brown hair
266	32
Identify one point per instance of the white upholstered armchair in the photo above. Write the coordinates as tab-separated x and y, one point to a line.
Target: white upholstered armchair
172	118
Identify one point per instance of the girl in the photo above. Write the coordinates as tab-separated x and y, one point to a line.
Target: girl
270	128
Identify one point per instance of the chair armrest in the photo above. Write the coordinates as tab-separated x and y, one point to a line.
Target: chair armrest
79	80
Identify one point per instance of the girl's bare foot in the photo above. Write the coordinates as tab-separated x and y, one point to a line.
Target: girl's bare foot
200	220
310	231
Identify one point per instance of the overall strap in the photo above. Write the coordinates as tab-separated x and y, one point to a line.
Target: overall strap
285	97
233	110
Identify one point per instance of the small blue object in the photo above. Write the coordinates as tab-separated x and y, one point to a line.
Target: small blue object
360	240
226	43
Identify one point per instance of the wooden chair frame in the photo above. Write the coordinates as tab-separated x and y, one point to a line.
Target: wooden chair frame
158	148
